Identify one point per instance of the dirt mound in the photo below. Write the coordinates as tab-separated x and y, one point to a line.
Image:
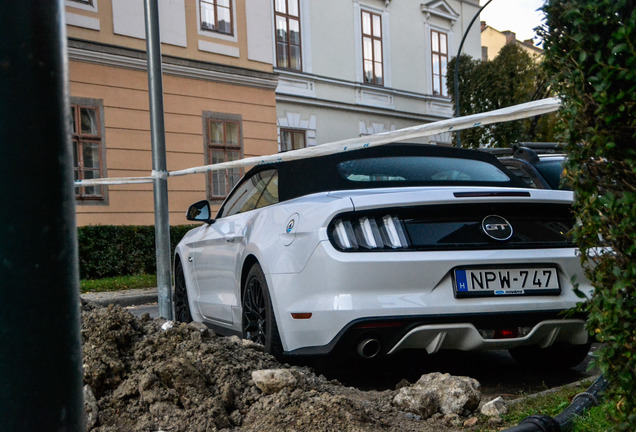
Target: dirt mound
186	378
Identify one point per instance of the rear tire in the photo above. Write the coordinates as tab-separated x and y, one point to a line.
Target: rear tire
555	357
181	303
259	322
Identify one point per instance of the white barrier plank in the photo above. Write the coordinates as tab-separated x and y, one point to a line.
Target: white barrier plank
515	112
114	181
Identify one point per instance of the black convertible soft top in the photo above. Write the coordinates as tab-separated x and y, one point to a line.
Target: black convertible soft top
336	171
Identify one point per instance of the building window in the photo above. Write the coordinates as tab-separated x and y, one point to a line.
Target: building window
223	145
88	148
439	50
287	18
87	5
258	191
372	48
292	139
216	15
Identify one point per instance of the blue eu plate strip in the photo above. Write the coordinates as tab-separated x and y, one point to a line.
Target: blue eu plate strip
460	280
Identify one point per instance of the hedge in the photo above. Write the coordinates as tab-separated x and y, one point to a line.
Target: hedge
115	250
590	53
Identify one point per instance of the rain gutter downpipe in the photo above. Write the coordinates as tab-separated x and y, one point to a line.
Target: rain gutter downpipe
459	51
563	422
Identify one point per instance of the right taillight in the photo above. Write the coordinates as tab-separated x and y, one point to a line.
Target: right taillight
368	233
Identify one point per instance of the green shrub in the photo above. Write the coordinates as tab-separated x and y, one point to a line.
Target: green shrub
114	250
589	52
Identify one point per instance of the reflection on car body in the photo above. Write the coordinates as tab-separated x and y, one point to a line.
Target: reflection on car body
383	249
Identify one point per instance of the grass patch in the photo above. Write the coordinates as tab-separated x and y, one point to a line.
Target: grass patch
118	283
595	419
551	404
548	404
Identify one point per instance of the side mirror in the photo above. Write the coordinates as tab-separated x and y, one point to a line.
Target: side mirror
199	212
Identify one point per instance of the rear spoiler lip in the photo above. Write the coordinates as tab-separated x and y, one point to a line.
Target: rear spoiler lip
474	194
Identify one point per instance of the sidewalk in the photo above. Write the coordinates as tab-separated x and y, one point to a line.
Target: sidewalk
133	297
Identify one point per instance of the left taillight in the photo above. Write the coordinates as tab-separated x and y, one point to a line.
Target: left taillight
368	233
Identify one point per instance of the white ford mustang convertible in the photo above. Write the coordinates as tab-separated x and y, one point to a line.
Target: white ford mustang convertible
384	249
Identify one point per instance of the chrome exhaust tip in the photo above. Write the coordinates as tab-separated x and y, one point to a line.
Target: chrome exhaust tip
369	348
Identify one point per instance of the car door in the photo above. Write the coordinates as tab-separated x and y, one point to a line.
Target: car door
218	252
215	258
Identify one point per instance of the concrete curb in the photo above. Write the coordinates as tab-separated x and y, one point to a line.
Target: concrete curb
133	297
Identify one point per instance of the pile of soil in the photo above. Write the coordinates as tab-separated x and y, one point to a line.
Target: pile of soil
139	377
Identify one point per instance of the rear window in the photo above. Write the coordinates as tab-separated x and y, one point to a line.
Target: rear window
420	169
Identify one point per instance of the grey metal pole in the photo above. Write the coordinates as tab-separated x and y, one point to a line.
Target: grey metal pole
456	80
41	357
158	136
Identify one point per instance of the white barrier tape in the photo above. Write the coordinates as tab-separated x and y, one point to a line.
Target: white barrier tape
113	181
123	180
516	112
162	175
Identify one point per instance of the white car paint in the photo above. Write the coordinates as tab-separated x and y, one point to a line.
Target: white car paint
306	274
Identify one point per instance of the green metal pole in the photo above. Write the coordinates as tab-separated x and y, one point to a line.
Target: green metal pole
40	352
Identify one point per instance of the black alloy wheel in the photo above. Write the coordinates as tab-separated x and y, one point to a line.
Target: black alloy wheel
259	323
181	304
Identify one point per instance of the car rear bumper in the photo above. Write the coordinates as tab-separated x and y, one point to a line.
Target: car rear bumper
466	337
464	332
408	298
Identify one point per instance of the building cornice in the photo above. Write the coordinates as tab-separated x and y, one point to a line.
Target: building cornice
322	103
355	85
441	9
108	55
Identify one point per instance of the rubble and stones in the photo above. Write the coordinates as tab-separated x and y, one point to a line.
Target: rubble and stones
274	380
495	408
139	377
437	392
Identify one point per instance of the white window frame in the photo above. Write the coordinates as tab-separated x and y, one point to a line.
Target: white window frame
305	38
97	104
216	35
428	52
207	117
386	43
298	121
83	6
439	16
442	78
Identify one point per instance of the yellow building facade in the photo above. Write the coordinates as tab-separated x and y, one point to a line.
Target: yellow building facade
493	40
219	100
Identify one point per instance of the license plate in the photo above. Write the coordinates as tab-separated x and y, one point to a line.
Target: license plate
486	282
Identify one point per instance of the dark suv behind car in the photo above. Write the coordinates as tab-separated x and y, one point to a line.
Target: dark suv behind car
539	165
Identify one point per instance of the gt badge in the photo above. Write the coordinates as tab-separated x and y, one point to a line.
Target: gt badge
496	227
